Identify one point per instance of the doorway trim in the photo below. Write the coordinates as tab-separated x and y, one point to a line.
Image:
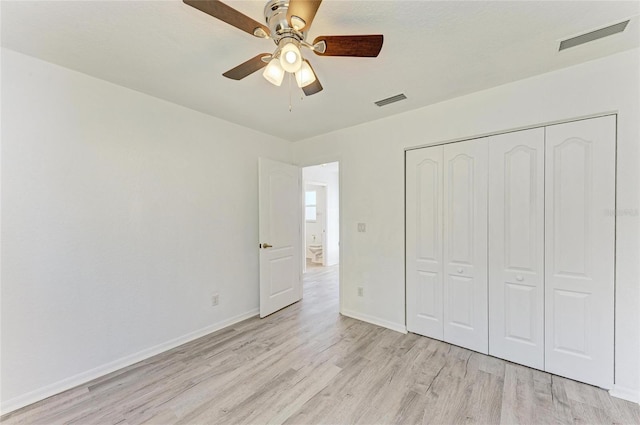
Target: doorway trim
323	238
313	163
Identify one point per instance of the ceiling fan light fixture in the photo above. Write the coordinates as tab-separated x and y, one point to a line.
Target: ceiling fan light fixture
297	23
290	57
305	75
273	72
287	24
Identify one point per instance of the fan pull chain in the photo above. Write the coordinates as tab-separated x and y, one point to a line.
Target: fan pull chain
290	108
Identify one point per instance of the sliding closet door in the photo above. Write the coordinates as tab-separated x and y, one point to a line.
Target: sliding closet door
516	247
580	199
465	244
424	241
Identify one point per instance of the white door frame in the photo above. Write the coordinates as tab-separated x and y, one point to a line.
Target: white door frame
313	163
324	223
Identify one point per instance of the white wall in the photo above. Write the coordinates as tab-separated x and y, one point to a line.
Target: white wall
121	215
372	168
330	177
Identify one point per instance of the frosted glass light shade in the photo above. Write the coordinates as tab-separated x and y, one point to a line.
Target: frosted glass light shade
305	75
274	73
297	23
290	57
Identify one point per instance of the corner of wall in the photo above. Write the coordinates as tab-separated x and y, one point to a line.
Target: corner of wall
375	321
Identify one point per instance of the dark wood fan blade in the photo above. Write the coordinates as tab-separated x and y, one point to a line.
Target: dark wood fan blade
312	88
247	68
367	46
304	9
228	14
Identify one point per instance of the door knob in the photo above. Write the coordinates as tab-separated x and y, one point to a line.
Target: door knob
266	245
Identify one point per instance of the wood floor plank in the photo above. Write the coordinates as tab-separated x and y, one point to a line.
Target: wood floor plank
306	364
526	396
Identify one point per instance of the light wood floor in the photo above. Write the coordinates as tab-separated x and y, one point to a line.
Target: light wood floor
308	365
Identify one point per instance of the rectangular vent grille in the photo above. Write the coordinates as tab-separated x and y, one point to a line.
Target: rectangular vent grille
391	99
593	35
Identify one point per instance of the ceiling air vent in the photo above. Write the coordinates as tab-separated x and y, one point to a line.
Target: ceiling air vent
391	99
593	35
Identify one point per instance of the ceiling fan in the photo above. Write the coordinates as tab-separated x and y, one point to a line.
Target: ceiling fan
288	22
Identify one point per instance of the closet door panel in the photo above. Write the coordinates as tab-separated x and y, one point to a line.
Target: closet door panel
465	244
516	247
580	242
424	241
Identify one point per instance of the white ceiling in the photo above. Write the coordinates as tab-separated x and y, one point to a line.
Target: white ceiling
432	51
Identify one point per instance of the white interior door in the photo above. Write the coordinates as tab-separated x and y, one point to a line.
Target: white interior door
516	247
465	244
280	204
424	183
579	251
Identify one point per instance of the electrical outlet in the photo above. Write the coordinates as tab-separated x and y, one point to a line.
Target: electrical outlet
360	291
362	227
215	298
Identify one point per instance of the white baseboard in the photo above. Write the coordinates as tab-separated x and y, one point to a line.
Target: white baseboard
624	393
89	375
375	321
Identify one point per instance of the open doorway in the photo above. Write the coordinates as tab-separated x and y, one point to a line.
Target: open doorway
321	216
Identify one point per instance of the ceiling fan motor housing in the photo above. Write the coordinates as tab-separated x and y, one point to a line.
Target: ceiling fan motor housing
275	13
